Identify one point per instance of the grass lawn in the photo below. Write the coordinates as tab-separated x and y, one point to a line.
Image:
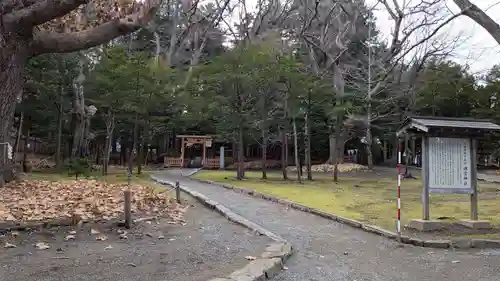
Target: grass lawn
367	197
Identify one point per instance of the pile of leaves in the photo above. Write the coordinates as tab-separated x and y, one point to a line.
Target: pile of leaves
40	162
41	200
328	168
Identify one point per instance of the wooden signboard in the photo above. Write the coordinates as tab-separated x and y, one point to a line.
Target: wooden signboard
450	165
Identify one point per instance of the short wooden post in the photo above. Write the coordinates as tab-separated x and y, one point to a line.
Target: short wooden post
178	192
128	208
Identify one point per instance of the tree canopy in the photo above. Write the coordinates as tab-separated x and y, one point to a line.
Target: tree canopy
316	74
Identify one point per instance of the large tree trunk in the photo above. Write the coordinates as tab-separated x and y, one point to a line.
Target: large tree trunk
98	147
78	113
394	160
332	148
110	126
413	150
140	153
59	139
133	148
337	146
241	155
264	152
339	84
143	148
234	151
25	150
105	161
60	116
13	56
164	141
307	147
296	150
264	129
123	151
140	157
368	146
284	153
384	150
60	113
18	137
407	153
85	145
368	131
284	140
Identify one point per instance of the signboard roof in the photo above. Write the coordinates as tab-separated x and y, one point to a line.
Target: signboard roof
425	124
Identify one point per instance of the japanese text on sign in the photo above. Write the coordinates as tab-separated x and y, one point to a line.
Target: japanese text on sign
449	163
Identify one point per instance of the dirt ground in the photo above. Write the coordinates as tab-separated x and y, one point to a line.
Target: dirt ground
208	246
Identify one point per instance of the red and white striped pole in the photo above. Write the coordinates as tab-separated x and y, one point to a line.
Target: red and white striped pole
398	222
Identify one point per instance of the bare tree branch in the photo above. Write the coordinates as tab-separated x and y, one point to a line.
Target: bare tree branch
479	16
42	11
7	6
49	42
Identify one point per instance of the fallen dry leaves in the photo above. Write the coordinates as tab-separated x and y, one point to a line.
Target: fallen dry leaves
69	237
101	237
41	200
42	246
9	245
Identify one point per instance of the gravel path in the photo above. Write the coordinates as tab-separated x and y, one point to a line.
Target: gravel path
327	251
209	246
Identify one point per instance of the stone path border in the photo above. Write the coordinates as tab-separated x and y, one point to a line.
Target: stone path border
443	244
270	262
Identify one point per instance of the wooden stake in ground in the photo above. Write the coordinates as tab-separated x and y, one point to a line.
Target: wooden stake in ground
127	199
128	208
178	192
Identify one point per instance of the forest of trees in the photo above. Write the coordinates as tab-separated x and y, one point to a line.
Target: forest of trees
315	72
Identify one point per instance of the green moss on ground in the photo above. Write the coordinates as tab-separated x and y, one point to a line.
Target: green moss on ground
367	197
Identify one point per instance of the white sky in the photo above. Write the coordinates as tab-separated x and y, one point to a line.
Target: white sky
480	51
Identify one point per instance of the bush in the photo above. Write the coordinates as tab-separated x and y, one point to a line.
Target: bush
78	166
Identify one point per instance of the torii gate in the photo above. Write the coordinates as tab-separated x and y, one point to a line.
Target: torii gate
189	140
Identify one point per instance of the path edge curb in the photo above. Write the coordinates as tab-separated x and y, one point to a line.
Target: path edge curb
439	244
270	262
